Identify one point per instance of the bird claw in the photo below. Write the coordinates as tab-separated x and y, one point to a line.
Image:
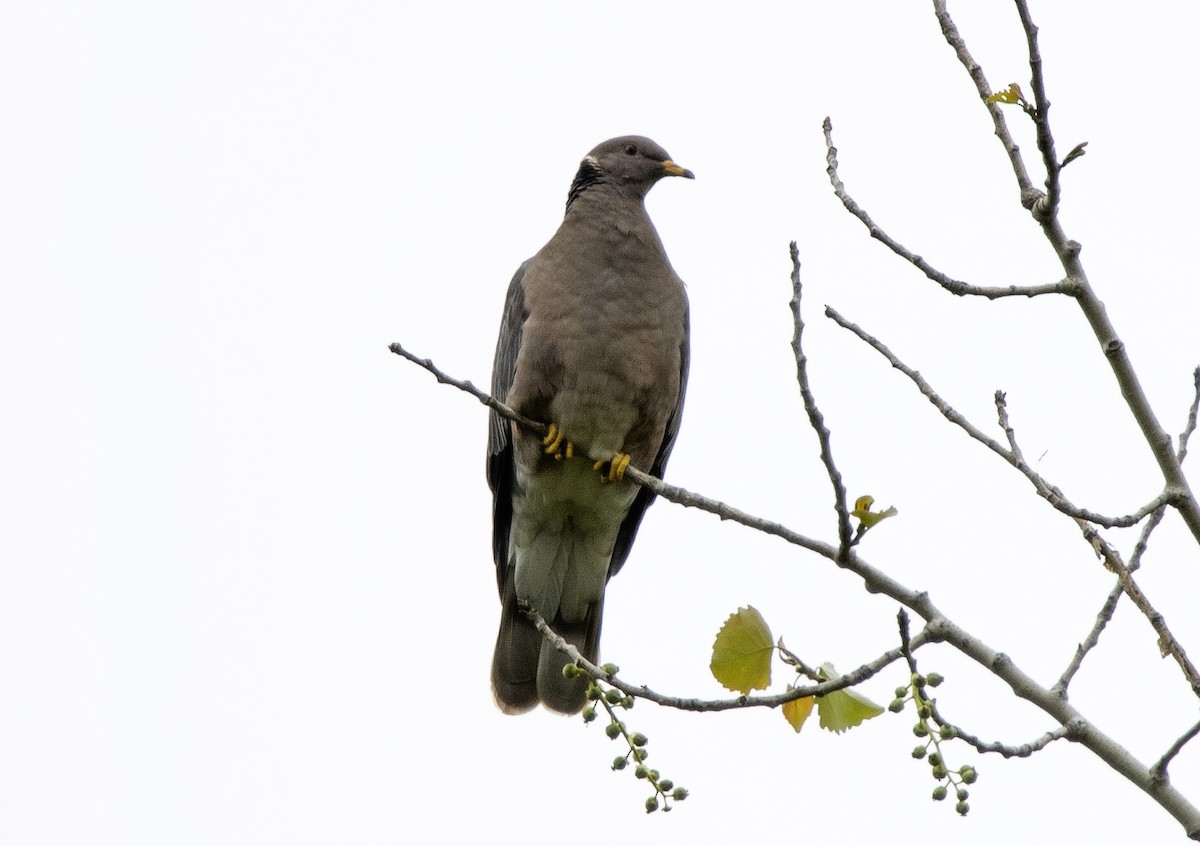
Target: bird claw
557	445
553	442
614	469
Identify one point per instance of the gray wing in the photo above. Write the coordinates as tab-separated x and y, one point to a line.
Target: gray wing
645	496
500	473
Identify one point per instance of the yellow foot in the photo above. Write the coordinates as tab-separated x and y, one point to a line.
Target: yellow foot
614	470
553	442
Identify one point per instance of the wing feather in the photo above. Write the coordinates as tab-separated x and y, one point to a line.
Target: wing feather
500	471
645	496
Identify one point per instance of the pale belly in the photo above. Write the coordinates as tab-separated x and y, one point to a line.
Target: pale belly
564	526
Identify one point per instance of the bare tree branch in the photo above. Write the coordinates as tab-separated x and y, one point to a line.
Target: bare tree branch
1004	749
682	703
1007	750
1044	489
1053	494
485	398
1029	194
815	418
1104	616
1045	212
954	286
1085	519
1167	644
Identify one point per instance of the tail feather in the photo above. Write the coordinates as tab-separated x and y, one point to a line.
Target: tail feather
527	669
515	661
568	696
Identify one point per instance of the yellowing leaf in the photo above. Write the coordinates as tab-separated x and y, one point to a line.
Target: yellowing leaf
1011	95
843	709
868	518
797	711
741	659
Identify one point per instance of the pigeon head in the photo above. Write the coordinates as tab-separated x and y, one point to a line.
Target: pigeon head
629	165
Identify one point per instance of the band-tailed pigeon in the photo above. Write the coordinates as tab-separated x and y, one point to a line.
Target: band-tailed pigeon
594	342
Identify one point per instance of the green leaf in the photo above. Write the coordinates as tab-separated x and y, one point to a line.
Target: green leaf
868	518
843	709
797	711
741	659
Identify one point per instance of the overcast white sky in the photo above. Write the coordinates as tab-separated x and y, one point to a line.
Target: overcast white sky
246	593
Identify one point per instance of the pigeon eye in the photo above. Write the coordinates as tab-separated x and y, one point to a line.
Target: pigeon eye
631	149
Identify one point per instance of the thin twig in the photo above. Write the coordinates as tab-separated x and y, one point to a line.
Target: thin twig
1029	194
954	286
1190	428
1159	770
1135	560
1007	750
815	418
1167	644
1054	495
1044	489
850	679
1103	618
1047	206
485	398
